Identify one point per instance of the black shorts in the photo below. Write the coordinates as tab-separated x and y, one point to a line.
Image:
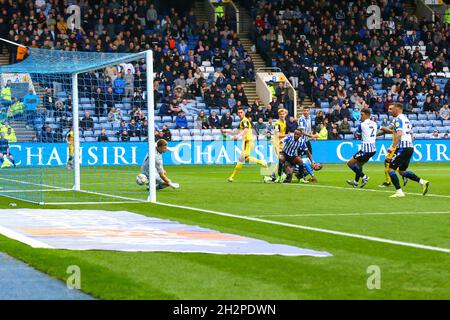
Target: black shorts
289	159
401	159
363	157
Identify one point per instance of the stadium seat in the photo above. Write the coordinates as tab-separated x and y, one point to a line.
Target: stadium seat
176	138
186	138
196	132
135	139
431	116
197	138
206	132
422	116
185	132
207	138
88	133
412	116
90	139
166	119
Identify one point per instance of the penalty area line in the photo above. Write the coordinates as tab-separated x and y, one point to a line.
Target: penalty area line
296	226
352	214
362	189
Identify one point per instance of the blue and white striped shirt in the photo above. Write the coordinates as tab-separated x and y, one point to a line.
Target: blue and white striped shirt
368	132
305	123
294	148
401	122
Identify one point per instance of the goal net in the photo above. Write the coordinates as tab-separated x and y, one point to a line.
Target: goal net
79	126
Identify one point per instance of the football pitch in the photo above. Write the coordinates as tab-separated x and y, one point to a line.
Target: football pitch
408	239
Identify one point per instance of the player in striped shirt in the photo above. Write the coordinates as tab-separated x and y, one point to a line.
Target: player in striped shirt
367	130
404	149
294	146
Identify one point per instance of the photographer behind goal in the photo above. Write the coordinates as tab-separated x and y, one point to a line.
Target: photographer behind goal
162	181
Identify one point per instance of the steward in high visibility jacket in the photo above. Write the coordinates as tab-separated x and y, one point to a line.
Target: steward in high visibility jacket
6	93
220	10
447	15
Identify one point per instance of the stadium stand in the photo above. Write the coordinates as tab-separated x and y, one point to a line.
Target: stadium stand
329	55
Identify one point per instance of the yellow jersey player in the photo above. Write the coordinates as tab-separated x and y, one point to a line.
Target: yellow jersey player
246	134
390	130
69	140
280	134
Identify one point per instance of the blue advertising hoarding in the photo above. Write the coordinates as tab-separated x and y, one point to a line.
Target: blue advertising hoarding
207	152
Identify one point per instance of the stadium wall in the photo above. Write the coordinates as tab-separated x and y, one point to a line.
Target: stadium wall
206	152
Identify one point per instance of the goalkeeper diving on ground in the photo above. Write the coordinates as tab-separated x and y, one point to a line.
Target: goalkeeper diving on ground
162	181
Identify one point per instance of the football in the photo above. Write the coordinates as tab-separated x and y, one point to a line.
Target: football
141	179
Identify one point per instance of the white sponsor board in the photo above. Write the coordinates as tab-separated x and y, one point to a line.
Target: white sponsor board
126	231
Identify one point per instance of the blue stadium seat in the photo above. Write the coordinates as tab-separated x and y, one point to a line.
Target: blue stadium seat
412	116
324	105
422	116
436	123
88	133
431	116
419	136
166	119
90	139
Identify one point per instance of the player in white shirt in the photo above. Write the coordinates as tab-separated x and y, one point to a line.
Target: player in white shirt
403	146
162	181
367	130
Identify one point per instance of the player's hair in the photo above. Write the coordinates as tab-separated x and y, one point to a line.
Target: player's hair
161	143
241	108
366	111
398	105
282	110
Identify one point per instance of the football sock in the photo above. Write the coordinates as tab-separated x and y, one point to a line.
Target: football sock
280	168
386	172
357	170
238	168
412	176
394	179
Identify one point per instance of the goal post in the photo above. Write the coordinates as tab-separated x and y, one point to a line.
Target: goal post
93	92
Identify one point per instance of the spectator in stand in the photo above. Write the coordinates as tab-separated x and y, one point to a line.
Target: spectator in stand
165	133
344	127
30	100
123	136
48	135
291	125
87	123
119	86
378	106
103	136
181	121
226	122
213	120
323	132
334	134
202	121
134	129
444	112
260	127
356	114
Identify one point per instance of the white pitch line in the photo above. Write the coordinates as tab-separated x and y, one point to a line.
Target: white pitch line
352	214
296	226
363	189
86	202
35	190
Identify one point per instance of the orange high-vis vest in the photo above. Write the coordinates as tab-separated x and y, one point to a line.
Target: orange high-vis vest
21	53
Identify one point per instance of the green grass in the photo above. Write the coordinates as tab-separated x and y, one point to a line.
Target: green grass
406	272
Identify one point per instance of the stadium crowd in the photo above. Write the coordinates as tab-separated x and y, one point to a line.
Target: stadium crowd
323	47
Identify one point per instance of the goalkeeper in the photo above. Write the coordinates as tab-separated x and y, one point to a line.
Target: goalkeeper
6	157
162	181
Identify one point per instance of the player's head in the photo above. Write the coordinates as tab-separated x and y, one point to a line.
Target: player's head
297	134
282	113
396	109
306	112
161	145
241	113
365	114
